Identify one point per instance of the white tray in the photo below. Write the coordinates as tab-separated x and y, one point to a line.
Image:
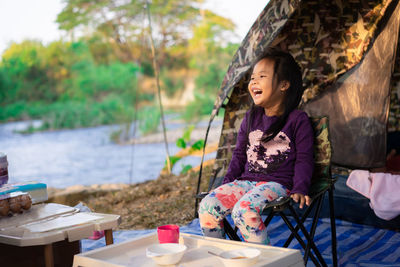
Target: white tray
133	253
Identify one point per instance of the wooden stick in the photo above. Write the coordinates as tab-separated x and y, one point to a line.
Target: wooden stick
156	72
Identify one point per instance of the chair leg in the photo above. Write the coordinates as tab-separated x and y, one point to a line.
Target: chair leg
303	219
269	217
229	231
313	228
333	228
307	236
196	206
297	236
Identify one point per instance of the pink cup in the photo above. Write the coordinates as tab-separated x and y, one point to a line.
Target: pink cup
168	233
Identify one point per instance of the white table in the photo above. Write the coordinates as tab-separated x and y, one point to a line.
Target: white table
46	224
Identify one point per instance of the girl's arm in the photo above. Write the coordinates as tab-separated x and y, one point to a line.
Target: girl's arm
239	156
304	164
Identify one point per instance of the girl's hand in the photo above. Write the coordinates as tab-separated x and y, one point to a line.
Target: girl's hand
302	198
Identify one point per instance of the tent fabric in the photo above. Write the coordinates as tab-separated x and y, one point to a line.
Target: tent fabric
358	245
327	39
358	103
394	112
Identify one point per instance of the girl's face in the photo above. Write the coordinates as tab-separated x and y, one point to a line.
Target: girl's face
263	90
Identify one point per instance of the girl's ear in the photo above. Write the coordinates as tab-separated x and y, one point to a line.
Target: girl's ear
284	86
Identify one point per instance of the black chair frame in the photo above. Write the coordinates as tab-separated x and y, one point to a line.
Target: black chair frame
282	204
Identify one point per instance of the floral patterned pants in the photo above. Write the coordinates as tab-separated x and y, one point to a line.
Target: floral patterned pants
245	200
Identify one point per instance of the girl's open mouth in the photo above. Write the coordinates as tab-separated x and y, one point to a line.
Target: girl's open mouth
256	92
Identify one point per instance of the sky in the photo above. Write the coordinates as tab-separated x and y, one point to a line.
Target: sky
35	19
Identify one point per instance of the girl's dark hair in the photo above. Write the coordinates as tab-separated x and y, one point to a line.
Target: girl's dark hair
285	69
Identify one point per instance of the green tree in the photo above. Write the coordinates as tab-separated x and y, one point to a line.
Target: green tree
64	85
210	54
25	67
93	80
123	25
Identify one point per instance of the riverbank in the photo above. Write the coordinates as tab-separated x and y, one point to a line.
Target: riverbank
168	199
87	156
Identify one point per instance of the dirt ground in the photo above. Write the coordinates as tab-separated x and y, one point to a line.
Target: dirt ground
167	200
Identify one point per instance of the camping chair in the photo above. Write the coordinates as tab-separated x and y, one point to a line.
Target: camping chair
321	183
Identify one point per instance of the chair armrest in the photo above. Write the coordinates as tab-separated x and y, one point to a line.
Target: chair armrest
278	202
201	195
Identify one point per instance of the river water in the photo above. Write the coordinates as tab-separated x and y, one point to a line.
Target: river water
82	156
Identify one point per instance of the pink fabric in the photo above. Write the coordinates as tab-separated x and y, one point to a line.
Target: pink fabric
96	235
383	190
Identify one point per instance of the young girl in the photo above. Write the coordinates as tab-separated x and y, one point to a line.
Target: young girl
273	155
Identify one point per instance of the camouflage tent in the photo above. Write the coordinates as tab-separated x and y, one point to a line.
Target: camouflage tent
347	51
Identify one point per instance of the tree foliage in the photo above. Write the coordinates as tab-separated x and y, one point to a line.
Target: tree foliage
93	78
122	24
63	85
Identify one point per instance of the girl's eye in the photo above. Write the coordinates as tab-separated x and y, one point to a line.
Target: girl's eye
257	77
252	78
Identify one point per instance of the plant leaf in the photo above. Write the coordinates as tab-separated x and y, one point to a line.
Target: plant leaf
173	160
198	145
181	143
186	168
187	133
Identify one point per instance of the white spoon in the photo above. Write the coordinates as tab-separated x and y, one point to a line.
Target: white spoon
222	257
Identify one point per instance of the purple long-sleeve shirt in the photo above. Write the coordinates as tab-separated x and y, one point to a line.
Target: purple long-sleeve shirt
287	159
